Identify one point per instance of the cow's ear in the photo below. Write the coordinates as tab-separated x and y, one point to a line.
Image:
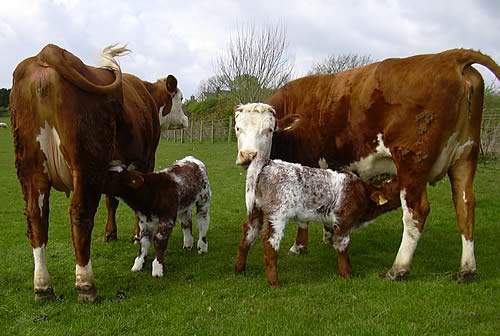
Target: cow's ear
287	123
136	181
171	84
378	198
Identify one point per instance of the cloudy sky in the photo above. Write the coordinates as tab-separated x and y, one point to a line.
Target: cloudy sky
185	37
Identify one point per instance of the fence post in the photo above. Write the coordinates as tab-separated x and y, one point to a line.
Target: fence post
229	129
201	130
192	134
212	132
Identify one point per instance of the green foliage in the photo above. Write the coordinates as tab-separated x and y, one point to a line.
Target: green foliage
200	295
218	106
4	97
492	97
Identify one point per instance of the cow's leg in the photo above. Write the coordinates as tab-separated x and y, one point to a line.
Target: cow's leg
185	218
461	176
86	196
161	241
36	189
203	221
341	245
415	210
271	234
111	232
251	229
300	245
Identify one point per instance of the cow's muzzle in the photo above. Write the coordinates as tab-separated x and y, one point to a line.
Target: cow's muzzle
245	158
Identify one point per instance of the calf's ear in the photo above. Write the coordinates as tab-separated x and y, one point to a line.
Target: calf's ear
378	198
288	123
171	84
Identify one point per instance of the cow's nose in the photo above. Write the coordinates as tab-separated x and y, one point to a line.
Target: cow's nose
246	157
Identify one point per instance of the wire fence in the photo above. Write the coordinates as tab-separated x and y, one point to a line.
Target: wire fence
202	130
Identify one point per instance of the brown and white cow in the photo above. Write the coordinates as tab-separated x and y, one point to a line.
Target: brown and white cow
277	191
159	199
418	118
69	121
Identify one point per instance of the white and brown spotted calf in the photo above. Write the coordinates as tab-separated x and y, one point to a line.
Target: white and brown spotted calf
159	199
277	191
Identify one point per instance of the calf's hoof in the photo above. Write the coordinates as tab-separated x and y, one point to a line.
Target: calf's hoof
187	248
110	236
396	274
87	294
44	294
239	268
297	250
157	269
464	276
202	246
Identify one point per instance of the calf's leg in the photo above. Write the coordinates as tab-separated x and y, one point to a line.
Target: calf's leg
301	240
203	221
341	245
251	229
111	231
185	218
271	235
161	241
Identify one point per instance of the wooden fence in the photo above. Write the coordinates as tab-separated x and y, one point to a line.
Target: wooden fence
222	130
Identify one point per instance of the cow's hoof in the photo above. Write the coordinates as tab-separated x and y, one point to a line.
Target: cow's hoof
464	276
396	274
44	295
239	269
187	248
110	236
87	294
297	250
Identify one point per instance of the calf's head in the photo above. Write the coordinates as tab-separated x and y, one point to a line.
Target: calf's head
255	126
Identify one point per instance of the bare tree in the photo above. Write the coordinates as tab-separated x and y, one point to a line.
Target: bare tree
338	63
211	86
255	63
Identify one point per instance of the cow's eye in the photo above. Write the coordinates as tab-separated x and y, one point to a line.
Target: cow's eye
237	129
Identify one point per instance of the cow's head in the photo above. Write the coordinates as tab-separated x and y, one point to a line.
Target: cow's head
171	114
255	125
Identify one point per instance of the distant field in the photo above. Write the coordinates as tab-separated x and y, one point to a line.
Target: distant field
202	295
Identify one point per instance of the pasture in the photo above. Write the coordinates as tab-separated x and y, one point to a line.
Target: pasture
201	295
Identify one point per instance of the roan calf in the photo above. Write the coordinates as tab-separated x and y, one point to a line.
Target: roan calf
277	191
158	199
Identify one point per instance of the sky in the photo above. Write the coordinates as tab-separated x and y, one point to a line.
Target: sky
184	38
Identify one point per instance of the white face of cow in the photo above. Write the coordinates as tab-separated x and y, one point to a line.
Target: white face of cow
254	126
176	119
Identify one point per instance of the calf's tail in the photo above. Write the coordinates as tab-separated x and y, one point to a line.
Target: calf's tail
253	173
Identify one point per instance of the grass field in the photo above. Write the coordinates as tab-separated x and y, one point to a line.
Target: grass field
200	295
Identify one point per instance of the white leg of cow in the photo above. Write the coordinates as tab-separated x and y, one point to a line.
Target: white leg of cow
415	211
143	252
203	220
300	244
41	281
185	218
461	177
84	276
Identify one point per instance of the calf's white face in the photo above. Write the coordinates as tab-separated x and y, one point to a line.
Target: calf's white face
254	127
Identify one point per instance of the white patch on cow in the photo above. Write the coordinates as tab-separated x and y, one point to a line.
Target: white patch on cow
45	167
410	238
452	152
278	225
84	275
252	234
322	163
157	269
377	163
40	274
139	260
341	243
254	127
40	202
464	198
468	261
3	125
57	167
176	118
296	249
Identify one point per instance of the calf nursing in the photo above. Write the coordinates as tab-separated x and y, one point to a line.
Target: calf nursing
159	199
277	191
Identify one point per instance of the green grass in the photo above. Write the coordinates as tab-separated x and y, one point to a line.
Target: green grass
200	295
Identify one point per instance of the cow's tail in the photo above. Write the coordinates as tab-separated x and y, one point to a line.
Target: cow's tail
466	57
109	54
72	69
253	173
